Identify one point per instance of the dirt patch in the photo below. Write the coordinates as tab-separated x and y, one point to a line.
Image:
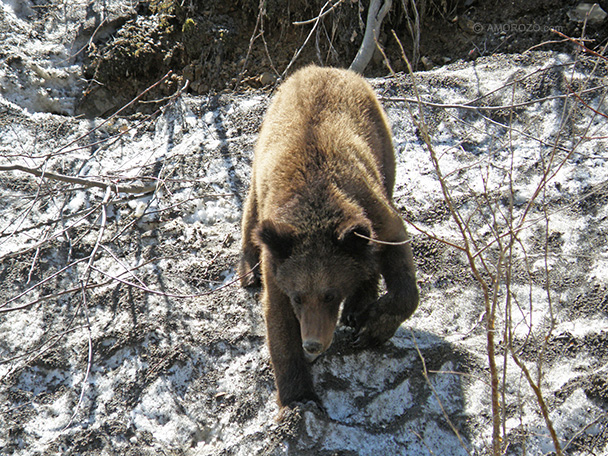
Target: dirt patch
219	46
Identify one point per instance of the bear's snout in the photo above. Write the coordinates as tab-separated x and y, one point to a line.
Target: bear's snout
317	325
316	339
312	348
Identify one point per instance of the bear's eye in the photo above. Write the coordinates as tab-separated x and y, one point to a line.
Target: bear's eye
297	299
329	296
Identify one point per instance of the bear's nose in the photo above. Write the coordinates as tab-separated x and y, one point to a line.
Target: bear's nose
312	347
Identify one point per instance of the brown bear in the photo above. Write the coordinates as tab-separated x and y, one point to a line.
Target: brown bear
319	220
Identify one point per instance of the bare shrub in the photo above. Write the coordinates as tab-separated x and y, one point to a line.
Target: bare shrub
493	226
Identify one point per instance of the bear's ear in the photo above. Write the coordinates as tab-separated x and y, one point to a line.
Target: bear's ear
278	237
354	236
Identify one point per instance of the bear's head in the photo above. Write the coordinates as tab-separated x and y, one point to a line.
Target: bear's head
318	270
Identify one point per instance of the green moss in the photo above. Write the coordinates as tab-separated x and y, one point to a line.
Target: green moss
171	7
189	26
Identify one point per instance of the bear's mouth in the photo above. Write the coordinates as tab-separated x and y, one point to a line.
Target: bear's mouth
310	358
313	348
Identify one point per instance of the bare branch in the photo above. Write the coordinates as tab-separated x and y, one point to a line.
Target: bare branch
378	241
470	104
322	14
581	45
378	9
113	116
81	181
316	23
89	357
425	374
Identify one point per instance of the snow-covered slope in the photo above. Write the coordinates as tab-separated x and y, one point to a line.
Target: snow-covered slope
150	348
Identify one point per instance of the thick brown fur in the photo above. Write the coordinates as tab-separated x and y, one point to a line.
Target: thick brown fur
323	174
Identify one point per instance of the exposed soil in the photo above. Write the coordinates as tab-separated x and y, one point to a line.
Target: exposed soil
218	45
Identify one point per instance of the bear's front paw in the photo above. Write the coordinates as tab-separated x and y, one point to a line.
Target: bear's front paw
299	407
355	319
364	339
350	319
378	326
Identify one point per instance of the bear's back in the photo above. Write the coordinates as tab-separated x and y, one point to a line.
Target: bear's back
324	125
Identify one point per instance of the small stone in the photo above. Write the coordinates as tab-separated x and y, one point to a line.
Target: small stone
591	12
267	78
198	71
426	62
466	24
188	72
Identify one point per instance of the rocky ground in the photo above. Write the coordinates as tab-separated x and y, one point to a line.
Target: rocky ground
122	330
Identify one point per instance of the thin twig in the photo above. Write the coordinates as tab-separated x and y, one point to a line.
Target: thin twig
174	295
84	282
462	228
587	426
42	282
61	150
378	241
539	398
425	374
298	52
254	36
55	295
54	236
81	181
89	358
321	15
470	106
581	45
